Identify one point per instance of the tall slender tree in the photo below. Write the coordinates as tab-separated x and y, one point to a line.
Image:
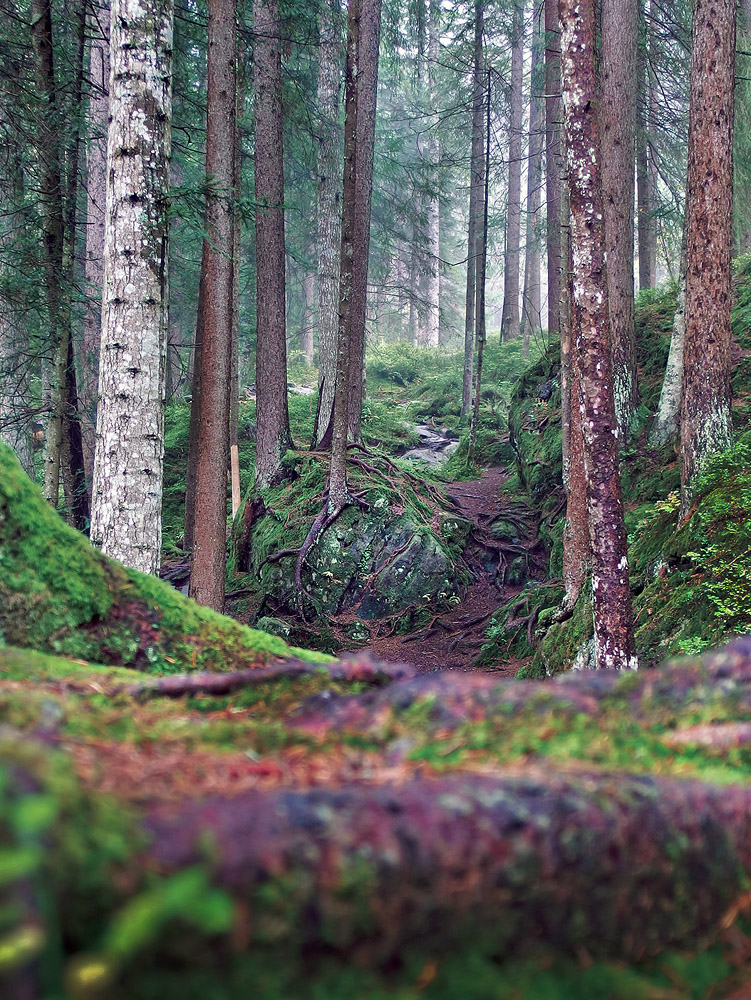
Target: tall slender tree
531	295
366	80
706	418
475	214
611	598
272	411
553	160
433	194
620	39
210	526
361	80
328	242
127	491
510	319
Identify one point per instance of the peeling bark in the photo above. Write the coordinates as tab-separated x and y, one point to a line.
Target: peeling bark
127	490
706	419
611	598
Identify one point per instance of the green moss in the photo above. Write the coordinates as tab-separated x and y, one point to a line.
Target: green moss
58	594
565	641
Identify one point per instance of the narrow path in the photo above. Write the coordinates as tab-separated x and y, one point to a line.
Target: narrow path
452	640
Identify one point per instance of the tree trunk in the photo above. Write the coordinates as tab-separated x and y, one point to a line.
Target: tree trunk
271	342
475	202
553	160
706	418
96	191
361	77
50	190
620	40
195	415
482	257
210	527
531	321
667	420
432	196
329	223
611	598
575	532
510	318
307	321
127	493
644	220
367	93
15	361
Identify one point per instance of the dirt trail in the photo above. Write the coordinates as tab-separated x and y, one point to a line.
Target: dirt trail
452	640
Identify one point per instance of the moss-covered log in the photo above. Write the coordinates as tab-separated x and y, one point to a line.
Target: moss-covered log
612	863
60	594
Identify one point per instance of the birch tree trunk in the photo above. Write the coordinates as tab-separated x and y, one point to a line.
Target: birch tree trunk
611	598
96	192
432	197
271	344
329	197
531	295
620	39
706	418
510	318
553	160
475	202
208	564
127	491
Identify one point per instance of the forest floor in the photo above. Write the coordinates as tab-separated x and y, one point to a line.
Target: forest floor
451	640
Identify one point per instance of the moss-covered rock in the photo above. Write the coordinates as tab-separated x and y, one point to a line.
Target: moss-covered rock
400	554
535	428
59	594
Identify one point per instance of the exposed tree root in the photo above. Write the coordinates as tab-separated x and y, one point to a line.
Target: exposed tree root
357	668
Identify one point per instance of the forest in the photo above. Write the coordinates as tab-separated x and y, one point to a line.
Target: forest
375	500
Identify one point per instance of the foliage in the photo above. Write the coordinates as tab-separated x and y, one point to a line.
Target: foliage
59	594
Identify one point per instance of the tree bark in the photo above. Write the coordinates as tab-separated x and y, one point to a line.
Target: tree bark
361	77
475	202
531	320
272	414
329	198
210	527
667	422
620	41
553	160
611	598
510	318
706	418
307	322
575	532
432	195
127	491
51	196
482	258
191	470
644	220
96	191
366	82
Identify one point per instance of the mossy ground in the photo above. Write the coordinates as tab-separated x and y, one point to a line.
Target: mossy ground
59	594
74	827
